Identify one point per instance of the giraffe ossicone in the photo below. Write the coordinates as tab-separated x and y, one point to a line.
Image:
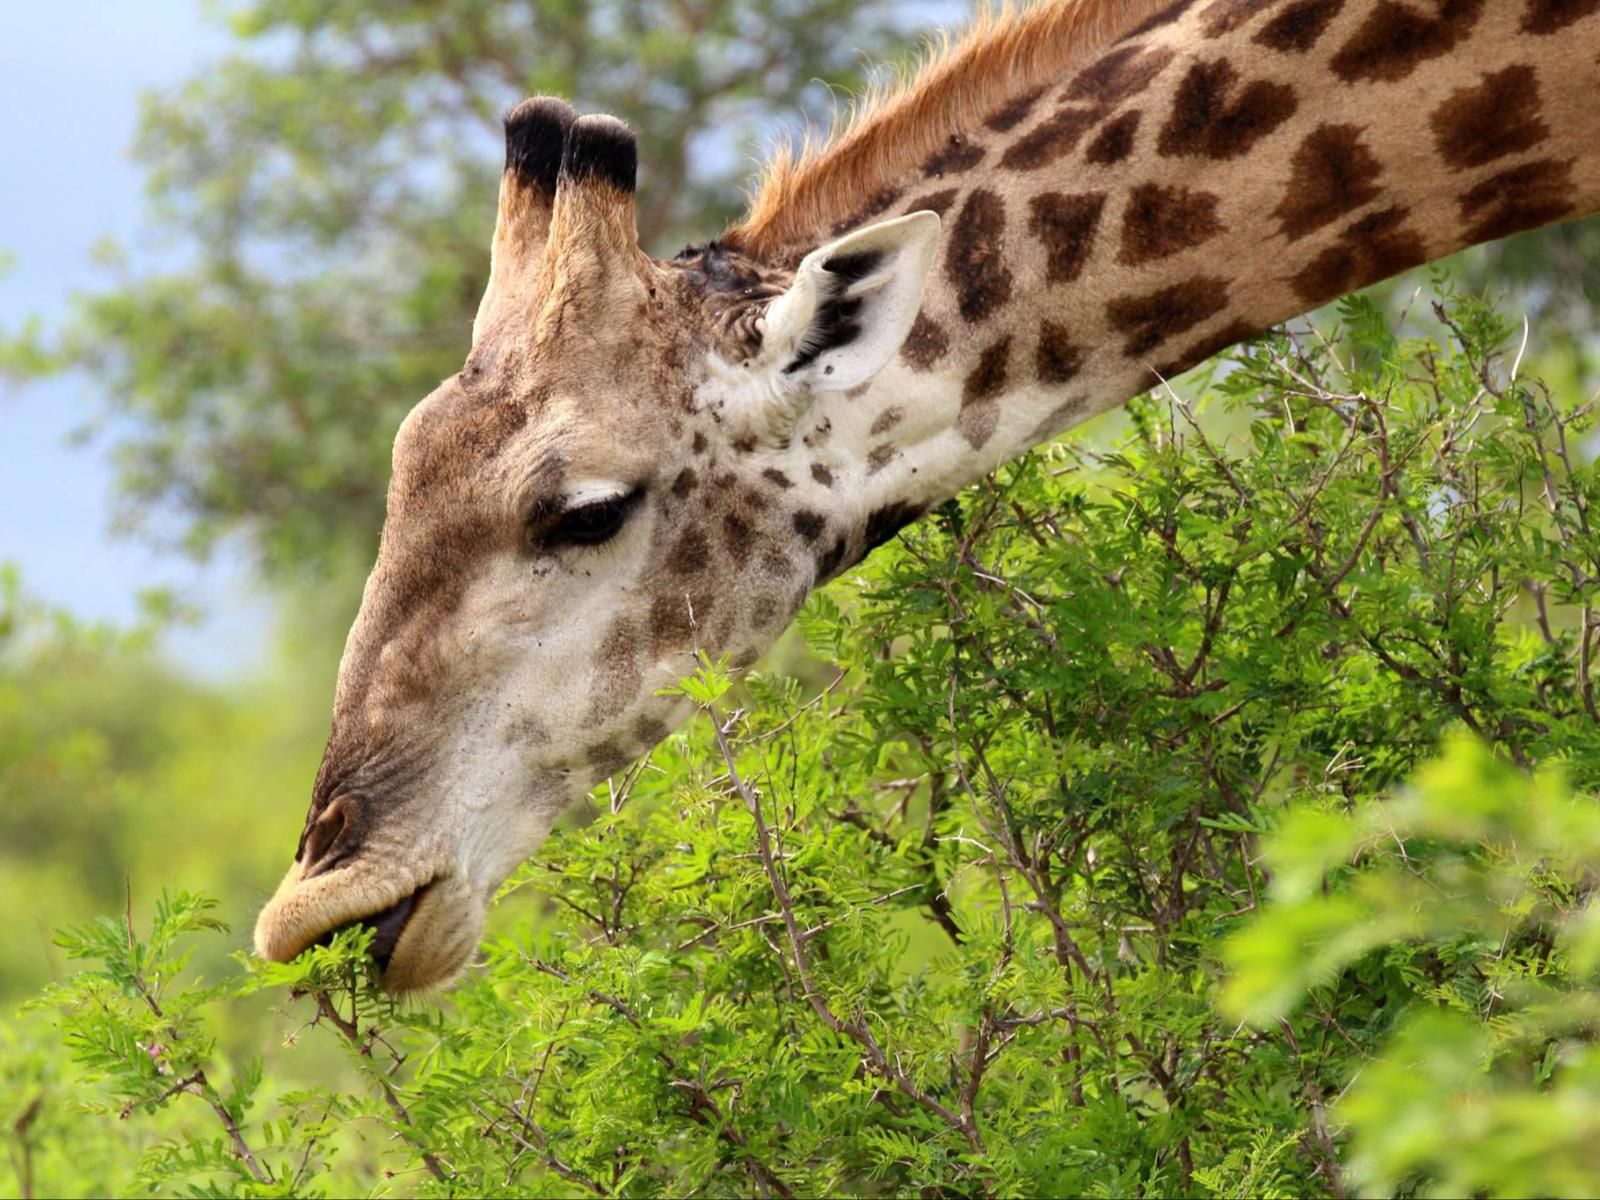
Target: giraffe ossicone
643	459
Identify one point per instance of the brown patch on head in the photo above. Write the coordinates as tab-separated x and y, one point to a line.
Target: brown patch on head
821	474
809	525
764	609
1545	17
1373	248
1497	118
775	476
616	672
776	565
690	554
975	256
1058	358
1050	139
1065	225
1523	197
887	420
698	443
1115	141
527	730
1395	39
1334	174
685	483
649	731
1213	117
1224	16
880	457
1161	221
1149	319
608	758
737	535
959	156
1297	28
980	394
675	616
1118	75
925	345
1015	112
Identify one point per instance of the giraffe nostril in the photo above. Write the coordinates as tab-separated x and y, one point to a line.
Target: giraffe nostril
332	837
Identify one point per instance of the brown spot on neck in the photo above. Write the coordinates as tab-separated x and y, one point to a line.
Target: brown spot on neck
1065	225
959	156
1058	358
1297	28
1115	141
1214	117
980	394
1149	319
1011	115
1523	197
1544	17
1118	75
1222	17
1333	175
1051	139
975	256
1373	248
1497	118
1161	221
1395	39
925	345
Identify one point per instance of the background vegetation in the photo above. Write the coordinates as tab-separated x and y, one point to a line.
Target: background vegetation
1220	819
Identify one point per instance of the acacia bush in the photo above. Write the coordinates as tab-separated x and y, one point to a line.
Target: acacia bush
1213	814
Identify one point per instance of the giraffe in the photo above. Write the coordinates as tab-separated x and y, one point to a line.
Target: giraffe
645	459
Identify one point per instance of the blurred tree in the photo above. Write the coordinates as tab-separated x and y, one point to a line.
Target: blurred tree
330	192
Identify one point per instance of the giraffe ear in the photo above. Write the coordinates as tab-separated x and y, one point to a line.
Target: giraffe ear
851	305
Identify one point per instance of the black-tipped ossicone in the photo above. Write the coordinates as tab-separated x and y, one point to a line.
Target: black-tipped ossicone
536	138
601	148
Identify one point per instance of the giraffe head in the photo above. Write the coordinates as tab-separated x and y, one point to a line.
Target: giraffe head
625	472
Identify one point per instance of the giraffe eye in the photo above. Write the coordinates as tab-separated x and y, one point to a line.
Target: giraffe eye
594	523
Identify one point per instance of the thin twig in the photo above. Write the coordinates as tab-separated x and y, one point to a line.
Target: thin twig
352	1034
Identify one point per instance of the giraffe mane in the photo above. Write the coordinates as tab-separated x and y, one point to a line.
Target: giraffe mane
959	79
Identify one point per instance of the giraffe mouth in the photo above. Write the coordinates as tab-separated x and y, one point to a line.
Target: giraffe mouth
388	925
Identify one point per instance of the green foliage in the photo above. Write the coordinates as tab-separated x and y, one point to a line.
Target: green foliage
1473	888
1208	815
115	770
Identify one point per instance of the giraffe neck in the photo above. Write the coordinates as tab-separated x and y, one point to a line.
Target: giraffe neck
1224	166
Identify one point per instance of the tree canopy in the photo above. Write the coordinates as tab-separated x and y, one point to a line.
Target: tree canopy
1204	804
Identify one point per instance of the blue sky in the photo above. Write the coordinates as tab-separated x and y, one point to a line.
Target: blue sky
70	79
